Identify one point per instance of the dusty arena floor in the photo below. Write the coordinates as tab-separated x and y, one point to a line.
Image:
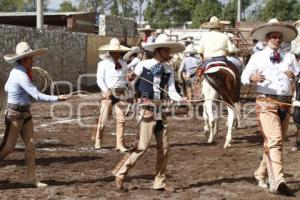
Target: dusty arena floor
67	162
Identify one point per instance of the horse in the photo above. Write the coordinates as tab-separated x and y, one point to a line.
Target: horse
221	80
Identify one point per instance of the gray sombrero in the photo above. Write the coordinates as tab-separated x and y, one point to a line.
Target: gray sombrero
23	50
288	31
163	41
113	46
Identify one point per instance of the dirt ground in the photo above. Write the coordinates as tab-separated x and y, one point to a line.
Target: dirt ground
67	162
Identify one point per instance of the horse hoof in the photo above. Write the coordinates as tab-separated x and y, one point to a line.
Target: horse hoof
210	141
226	146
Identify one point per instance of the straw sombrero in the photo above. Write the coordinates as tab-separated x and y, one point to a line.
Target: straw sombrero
296	23
147	28
190	49
288	31
23	50
132	51
214	23
163	41
113	46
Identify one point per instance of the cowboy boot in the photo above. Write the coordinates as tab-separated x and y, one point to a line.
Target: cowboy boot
99	139
120	184
120	137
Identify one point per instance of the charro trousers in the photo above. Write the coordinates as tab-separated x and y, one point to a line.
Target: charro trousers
19	124
274	131
147	128
105	114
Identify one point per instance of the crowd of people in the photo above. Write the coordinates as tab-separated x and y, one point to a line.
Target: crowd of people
150	69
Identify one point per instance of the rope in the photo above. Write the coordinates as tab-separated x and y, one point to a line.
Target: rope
47	78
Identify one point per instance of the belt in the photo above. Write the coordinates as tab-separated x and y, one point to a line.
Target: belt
19	108
280	98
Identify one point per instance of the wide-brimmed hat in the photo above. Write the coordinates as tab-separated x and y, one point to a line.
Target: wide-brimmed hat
296	23
147	28
190	49
113	46
288	31
131	52
163	41
214	23
23	50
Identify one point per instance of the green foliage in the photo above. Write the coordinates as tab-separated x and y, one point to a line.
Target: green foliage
67	6
114	9
167	13
20	5
283	10
11	5
205	10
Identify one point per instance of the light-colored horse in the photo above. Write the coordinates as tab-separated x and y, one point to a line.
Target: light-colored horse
211	110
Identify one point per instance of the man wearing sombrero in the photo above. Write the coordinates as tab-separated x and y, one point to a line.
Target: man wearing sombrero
18	118
214	45
112	82
152	77
188	67
146	35
273	71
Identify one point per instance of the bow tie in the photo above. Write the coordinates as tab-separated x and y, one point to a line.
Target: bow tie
118	65
158	69
275	57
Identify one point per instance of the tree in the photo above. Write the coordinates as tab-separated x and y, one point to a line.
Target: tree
158	14
205	10
11	5
283	10
67	6
114	9
127	8
31	5
97	6
140	4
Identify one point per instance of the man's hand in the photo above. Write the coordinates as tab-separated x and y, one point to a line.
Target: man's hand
131	76
257	77
289	74
64	97
183	100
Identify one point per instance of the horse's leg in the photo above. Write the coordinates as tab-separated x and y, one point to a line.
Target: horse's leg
206	120
230	120
211	120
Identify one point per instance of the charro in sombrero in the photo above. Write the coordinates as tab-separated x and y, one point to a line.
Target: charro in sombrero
113	46
131	52
288	31
23	50
214	23
147	28
163	41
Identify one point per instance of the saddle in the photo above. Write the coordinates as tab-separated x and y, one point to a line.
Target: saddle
224	77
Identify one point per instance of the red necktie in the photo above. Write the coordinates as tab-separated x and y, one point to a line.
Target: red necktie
276	56
118	65
29	73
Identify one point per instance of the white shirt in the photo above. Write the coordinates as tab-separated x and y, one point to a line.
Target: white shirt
276	83
148	64
214	44
134	62
108	77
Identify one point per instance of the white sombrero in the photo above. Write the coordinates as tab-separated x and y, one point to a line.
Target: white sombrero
296	23
113	46
24	50
132	51
190	49
288	31
163	41
214	23
147	28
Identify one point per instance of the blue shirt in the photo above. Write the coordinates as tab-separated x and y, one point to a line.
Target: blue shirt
189	64
19	88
